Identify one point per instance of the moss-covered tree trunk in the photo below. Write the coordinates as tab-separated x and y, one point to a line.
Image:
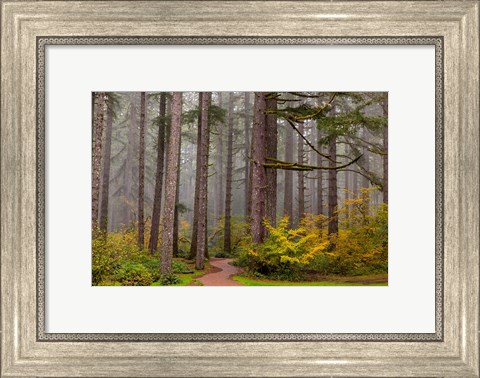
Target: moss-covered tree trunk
219	183
385	149
141	173
271	140
157	200
97	157
177	210
319	162
248	163
193	245
128	173
203	183
227	240
259	177
171	185
106	170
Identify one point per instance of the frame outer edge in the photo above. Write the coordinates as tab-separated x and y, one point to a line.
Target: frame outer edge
9	204
470	201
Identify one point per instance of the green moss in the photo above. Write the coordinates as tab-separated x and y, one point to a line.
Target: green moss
185	279
247	281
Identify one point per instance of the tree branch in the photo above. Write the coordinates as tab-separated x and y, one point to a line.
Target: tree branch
278	164
308	142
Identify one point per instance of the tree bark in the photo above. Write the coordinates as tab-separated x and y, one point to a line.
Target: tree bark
97	158
366	166
219	193
271	141
106	171
227	240
177	215
207	152
171	185
193	244
157	201
346	175
141	173
301	175
259	177
319	163
203	183
288	194
332	189
248	163
129	162
385	149
312	196
365	160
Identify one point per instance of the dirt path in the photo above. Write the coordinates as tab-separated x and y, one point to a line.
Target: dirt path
221	277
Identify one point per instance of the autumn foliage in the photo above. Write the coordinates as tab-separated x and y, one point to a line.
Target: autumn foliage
359	248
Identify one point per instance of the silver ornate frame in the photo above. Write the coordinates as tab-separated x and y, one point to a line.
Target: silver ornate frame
453	351
43	42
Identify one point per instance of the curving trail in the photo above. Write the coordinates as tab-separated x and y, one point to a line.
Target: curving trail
222	277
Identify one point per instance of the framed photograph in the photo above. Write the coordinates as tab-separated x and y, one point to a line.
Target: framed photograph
235	188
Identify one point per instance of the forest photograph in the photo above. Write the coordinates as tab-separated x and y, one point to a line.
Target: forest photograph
239	188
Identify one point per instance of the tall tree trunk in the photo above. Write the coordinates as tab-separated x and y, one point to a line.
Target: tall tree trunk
219	196
203	183
106	171
301	175
288	194
141	173
193	244
207	152
177	205
171	185
157	200
332	188
112	218
365	160
319	163
227	240
259	179
271	140
248	162
97	158
312	182
129	162
366	166
385	149
250	183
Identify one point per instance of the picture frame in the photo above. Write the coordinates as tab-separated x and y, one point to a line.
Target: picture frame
28	352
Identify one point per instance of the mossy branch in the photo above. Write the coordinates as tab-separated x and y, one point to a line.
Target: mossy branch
279	164
288	167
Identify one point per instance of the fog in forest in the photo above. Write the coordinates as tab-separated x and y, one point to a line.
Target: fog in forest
250	164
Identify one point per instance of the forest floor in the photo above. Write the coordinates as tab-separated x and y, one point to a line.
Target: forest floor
372	280
222	274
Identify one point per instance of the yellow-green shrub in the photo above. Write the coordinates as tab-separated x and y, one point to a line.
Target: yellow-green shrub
133	274
108	251
286	253
117	259
360	247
